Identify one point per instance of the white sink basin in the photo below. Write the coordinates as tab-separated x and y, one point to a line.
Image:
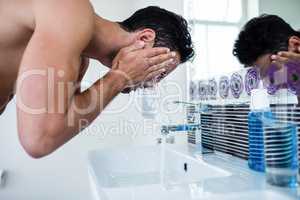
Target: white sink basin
259	195
135	174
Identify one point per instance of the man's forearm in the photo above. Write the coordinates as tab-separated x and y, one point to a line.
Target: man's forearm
90	103
86	106
44	133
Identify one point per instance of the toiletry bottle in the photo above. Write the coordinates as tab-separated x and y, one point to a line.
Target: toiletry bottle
259	112
150	101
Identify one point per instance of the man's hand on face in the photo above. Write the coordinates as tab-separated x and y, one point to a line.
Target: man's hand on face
138	64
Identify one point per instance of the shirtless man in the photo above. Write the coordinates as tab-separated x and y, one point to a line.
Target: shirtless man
44	51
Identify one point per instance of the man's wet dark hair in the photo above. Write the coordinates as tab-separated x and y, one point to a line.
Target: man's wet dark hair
262	35
171	29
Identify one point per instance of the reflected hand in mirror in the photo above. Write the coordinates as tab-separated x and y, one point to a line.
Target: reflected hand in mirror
291	55
286	56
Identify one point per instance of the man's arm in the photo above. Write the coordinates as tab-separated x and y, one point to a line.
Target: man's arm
49	109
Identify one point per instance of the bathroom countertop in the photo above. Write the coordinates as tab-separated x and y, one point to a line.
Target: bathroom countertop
243	182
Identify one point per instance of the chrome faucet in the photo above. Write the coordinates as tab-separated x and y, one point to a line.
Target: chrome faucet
166	130
193	124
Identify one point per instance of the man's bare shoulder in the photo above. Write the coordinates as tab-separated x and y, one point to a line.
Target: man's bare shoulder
63	9
68	20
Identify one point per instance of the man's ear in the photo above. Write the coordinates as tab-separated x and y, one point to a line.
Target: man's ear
294	44
148	36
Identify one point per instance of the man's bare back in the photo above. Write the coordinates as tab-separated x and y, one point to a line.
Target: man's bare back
17	22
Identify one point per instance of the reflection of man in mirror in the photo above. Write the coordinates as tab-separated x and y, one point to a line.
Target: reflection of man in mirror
265	40
269	43
44	51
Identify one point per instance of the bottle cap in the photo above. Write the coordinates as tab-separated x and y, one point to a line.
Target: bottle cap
259	98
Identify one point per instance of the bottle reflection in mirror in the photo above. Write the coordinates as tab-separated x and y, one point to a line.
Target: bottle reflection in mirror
212	88
224	87
252	80
193	91
203	90
293	77
287	76
236	85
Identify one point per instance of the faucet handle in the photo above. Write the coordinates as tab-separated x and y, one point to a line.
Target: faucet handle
164	130
159	140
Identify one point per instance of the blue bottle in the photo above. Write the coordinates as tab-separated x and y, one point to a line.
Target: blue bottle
260	113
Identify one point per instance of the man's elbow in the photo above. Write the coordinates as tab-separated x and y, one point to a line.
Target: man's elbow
35	151
37	146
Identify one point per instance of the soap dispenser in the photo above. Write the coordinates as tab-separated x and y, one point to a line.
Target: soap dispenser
150	100
260	112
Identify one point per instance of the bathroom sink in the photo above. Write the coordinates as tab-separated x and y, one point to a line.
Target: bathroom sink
264	195
139	173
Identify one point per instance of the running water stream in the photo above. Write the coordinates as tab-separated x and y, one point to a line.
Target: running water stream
162	160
